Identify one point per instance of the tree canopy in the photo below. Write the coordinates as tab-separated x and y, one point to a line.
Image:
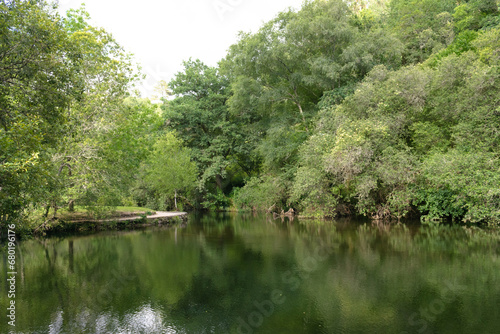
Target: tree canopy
387	109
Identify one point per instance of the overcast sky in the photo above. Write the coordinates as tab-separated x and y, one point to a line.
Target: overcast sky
163	33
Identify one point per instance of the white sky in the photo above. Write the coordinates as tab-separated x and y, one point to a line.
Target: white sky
163	33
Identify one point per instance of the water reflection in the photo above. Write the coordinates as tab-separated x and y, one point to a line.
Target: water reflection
245	274
144	320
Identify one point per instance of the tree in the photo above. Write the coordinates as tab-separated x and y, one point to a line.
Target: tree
423	139
280	74
39	80
476	14
199	115
162	90
424	26
65	122
86	173
169	171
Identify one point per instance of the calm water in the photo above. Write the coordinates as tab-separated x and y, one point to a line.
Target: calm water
244	274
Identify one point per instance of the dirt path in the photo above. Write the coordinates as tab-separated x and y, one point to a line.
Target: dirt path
158	214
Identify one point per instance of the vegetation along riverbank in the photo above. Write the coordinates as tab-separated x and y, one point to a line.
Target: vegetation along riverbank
387	109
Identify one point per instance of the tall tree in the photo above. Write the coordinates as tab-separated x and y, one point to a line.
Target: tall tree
293	60
168	173
38	76
199	115
280	74
85	171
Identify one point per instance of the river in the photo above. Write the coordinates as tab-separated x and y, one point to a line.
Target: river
234	273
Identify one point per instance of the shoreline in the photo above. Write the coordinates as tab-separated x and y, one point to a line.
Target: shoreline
159	218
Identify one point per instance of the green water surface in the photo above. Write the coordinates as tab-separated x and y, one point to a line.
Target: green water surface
226	273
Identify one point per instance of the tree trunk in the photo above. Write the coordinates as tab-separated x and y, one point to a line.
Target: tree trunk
218	181
303	117
175	200
296	100
55	209
47	208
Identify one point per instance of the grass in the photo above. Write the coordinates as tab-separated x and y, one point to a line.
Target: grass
71	221
106	212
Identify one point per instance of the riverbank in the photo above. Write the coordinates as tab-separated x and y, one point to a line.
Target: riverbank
82	220
131	222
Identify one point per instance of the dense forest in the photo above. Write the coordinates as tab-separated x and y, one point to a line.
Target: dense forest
387	109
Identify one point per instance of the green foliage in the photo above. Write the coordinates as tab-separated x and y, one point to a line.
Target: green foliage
68	132
339	108
103	128
461	185
373	144
487	46
168	172
38	81
463	42
261	193
475	14
200	116
427	137
413	139
280	74
424	26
